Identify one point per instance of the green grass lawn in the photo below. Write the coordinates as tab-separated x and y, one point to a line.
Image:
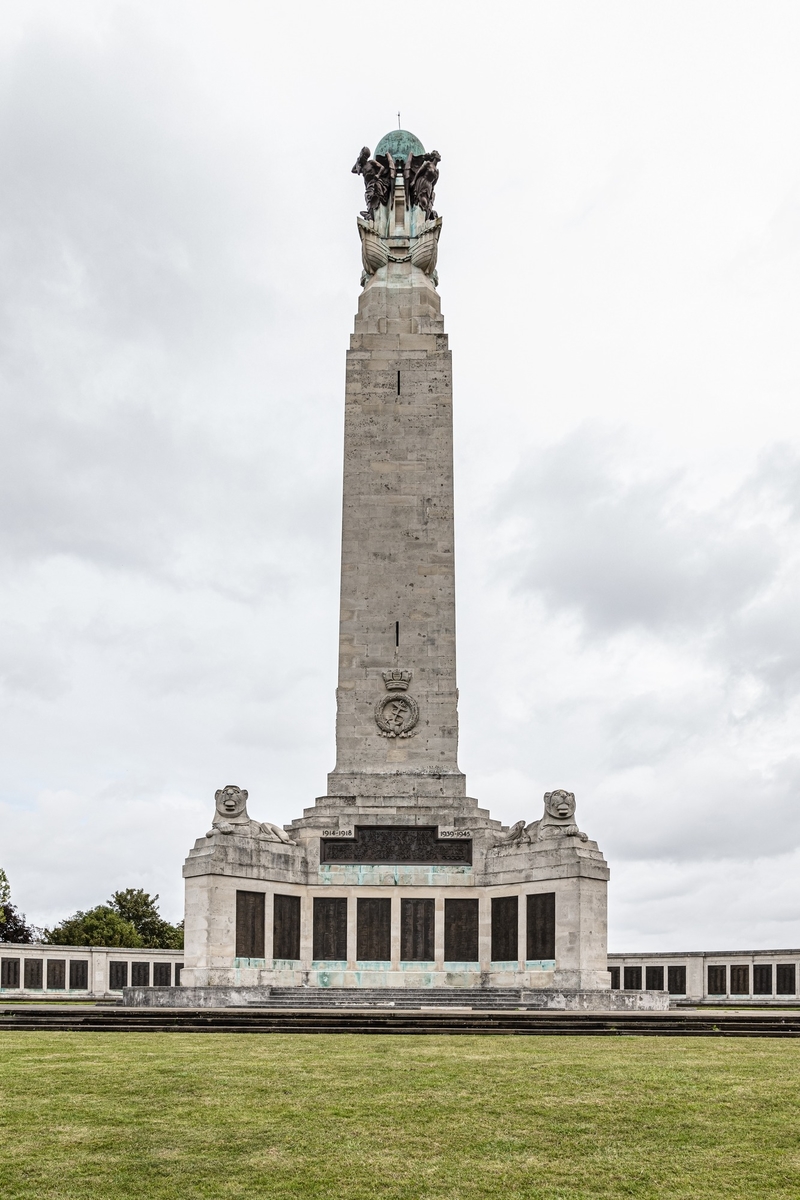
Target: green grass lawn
350	1117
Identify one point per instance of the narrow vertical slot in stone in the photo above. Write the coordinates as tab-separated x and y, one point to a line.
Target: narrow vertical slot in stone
396	634
398	383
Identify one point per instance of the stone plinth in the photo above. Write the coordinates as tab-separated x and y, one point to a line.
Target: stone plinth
554	1000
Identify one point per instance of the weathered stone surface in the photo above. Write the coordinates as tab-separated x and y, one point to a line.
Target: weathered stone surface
558	999
195	997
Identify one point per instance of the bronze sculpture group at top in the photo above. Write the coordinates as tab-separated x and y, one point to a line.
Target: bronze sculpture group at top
420	174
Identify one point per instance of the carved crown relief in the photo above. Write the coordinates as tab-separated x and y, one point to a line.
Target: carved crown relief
231	817
558	821
397	713
397	680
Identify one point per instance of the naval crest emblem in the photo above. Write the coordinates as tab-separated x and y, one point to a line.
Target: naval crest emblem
397	713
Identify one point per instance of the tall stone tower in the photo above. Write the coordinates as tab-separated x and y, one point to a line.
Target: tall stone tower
397	723
396	878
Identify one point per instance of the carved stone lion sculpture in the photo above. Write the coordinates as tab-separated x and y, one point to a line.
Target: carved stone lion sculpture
558	819
514	834
231	817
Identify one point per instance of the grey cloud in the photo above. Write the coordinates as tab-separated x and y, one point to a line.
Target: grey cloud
747	901
706	812
110	209
628	554
135	321
179	269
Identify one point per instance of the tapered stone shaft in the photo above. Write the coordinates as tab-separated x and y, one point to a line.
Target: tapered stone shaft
398	580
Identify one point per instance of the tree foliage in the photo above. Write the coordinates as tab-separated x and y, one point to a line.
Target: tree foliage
15	928
130	918
13	925
138	907
100	926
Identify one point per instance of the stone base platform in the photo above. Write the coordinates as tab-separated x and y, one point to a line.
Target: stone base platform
464	999
392	1021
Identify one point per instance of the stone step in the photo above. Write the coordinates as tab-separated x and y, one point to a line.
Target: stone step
472	998
519	1023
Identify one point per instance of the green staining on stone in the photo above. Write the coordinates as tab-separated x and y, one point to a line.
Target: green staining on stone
399	143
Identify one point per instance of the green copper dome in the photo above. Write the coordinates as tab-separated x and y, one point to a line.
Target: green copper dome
400	143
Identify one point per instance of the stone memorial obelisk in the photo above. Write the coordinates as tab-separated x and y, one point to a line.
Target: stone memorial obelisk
395	878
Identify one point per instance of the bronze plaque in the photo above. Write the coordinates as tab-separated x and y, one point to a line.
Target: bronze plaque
249	925
286	927
417	919
402	844
505	927
330	928
79	973
373	929
460	930
541	931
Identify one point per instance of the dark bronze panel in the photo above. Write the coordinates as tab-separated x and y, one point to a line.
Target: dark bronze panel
33	972
461	930
250	924
9	973
286	927
762	980
56	974
396	844
505	928
676	981
654	979
374	929
162	974
541	926
740	981
117	976
786	979
79	974
416	930
140	974
614	978
717	981
632	979
330	928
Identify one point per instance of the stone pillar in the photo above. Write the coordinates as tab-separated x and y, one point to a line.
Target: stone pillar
397	615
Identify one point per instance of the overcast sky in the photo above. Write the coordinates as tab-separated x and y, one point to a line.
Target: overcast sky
619	265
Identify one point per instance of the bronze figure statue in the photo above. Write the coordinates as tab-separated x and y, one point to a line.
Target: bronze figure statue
378	175
421	174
